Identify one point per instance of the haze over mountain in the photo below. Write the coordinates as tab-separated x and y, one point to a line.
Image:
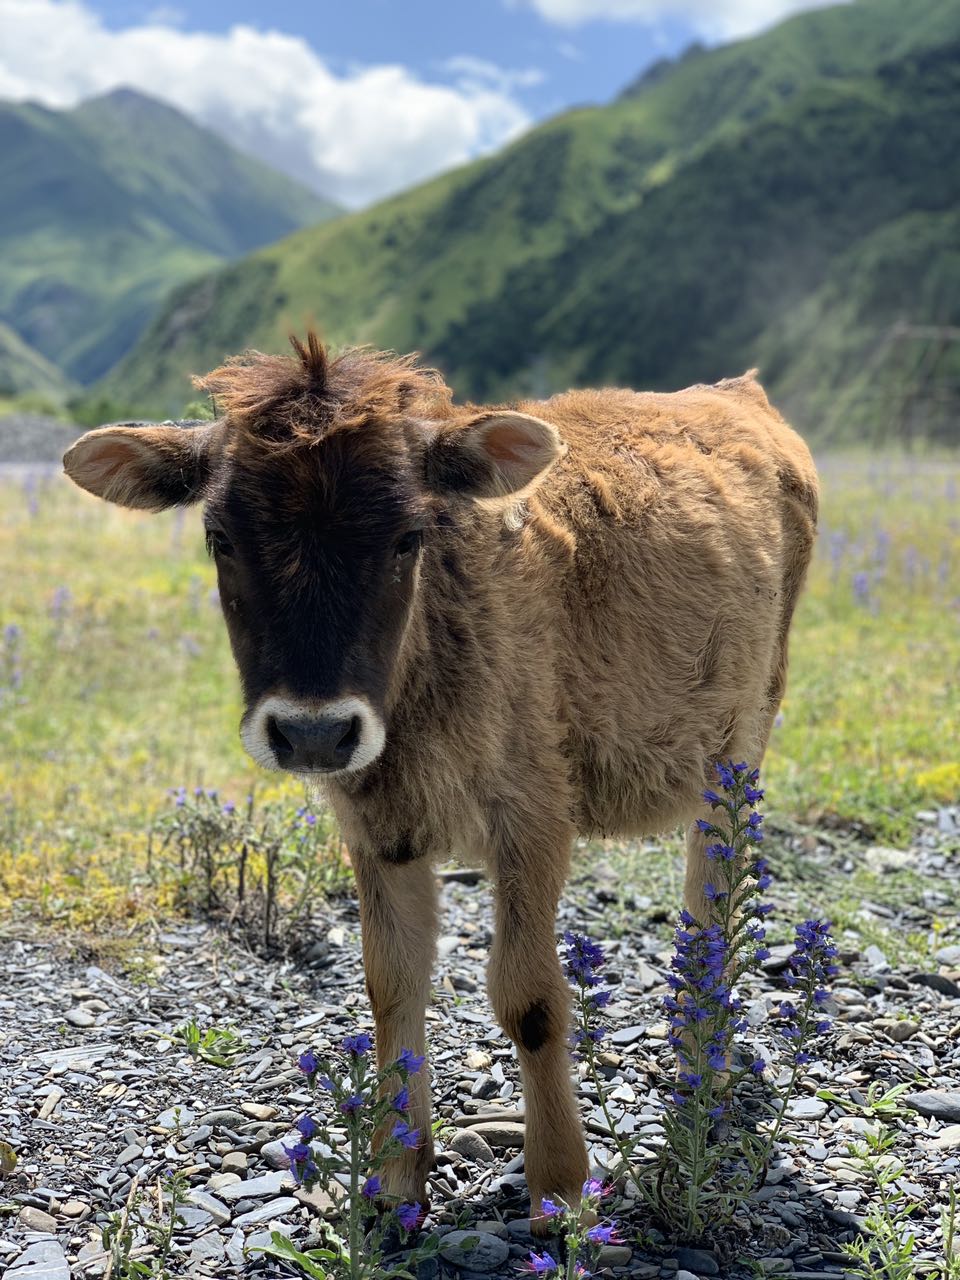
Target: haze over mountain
108	206
789	201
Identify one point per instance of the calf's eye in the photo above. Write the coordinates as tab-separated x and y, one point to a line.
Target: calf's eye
218	544
408	544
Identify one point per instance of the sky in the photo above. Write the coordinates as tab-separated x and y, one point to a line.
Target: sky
359	98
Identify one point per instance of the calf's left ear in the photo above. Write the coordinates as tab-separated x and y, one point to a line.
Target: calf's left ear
148	467
500	454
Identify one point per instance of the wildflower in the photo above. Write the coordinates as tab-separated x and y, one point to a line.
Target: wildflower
229	808
408	1215
371	1188
404	1134
549	1209
350	1106
592	1187
758	1066
326	1083
357	1045
308	1063
302	1165
583	958
603	1235
307	1127
541	1264
401	1101
410	1061
712	893
720	850
706	827
712	799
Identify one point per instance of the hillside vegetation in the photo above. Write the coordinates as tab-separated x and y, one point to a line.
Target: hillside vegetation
105	208
785	201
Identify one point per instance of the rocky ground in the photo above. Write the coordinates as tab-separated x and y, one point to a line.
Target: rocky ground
98	1096
27	438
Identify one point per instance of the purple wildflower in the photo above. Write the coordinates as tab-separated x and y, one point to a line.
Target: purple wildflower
404	1134
308	1063
357	1045
410	1061
541	1264
371	1188
307	1127
408	1215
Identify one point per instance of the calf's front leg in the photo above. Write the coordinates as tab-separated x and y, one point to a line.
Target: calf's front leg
398	919
532	1002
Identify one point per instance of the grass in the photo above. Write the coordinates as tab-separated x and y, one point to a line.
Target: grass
127	688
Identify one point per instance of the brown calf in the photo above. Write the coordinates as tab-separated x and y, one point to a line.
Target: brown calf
485	631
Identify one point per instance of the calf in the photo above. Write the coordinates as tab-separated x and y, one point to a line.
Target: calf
484	631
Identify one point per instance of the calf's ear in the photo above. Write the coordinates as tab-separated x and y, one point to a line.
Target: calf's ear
148	467
497	455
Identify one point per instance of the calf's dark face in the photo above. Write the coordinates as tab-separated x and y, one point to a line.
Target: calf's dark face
318	549
317	554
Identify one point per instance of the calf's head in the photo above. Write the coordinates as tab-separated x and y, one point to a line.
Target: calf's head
321	485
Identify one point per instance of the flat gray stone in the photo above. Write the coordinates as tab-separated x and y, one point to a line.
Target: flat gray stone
472	1145
268	1184
36	1220
217	1210
615	1255
807	1109
168	1119
500	1133
264	1212
42	1260
626	1035
79	1018
480	1251
274	1154
944	1104
697	1260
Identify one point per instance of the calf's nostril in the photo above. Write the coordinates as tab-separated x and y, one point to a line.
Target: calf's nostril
281	744
350	739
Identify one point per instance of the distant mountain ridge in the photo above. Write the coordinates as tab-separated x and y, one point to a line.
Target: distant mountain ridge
789	201
109	205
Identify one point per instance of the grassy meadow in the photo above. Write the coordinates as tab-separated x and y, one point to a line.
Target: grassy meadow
117	684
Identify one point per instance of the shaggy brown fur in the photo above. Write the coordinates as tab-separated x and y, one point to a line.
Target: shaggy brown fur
569	663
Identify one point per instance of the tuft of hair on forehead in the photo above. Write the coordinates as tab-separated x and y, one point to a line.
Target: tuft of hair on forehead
306	397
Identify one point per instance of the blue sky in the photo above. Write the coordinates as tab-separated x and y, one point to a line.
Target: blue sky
358	98
588	62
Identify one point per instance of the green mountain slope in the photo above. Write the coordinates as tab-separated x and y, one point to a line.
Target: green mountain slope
701	223
24	370
106	206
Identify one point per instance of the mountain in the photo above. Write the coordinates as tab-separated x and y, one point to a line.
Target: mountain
107	206
788	201
24	370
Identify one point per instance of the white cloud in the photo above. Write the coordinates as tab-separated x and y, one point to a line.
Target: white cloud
716	19
355	136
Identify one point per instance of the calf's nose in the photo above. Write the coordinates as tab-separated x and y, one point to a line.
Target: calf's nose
314	742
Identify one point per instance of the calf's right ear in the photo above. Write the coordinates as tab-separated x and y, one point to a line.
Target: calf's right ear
148	467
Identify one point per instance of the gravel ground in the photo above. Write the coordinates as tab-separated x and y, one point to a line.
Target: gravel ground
98	1097
35	438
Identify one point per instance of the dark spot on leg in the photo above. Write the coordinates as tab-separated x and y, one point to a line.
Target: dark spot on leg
401	852
535	1027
